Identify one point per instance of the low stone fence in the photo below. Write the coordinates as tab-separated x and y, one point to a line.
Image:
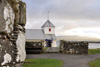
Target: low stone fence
69	47
34	47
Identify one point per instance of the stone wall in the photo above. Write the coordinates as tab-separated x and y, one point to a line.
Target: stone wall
12	33
34	47
69	47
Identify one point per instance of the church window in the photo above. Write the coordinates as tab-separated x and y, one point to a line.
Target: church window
49	29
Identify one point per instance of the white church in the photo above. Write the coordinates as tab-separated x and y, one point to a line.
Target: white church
46	35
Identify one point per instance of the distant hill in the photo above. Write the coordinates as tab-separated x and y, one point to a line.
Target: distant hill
77	38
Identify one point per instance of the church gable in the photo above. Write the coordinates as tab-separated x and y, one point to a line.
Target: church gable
48	24
48	28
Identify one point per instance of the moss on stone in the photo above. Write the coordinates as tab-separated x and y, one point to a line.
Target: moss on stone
13	4
18	15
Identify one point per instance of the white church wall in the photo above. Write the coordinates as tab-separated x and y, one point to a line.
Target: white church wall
46	30
45	44
58	43
54	43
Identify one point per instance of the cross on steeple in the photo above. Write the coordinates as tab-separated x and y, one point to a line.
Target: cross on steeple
48	15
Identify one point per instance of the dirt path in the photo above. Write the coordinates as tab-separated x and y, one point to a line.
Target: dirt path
68	60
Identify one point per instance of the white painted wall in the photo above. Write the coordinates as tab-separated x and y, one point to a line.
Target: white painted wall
58	43
54	43
46	30
45	44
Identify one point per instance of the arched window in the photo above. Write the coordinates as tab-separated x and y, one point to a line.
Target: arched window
49	29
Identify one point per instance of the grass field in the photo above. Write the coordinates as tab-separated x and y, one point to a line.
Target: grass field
93	51
43	63
95	63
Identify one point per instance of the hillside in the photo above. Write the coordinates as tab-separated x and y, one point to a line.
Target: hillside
77	38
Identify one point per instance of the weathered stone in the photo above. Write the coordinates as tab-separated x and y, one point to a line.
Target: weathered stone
34	47
69	47
6	17
21	47
22	12
12	33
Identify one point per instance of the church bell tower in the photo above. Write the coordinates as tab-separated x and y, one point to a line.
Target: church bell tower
48	28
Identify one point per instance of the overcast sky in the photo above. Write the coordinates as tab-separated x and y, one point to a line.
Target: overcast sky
71	17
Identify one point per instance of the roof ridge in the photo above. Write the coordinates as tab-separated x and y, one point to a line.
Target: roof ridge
47	24
33	29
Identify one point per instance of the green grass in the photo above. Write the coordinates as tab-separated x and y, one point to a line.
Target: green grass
93	51
43	63
46	48
95	63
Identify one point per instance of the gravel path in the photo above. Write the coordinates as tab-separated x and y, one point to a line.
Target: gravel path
68	60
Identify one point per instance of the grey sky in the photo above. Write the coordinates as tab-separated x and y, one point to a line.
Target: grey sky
65	15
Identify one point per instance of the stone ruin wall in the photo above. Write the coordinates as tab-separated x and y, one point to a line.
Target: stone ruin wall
12	33
69	47
34	47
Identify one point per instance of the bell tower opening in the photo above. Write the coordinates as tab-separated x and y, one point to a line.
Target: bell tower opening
49	29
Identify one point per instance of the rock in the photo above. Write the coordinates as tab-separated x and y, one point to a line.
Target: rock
6	17
69	47
12	33
22	12
21	54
